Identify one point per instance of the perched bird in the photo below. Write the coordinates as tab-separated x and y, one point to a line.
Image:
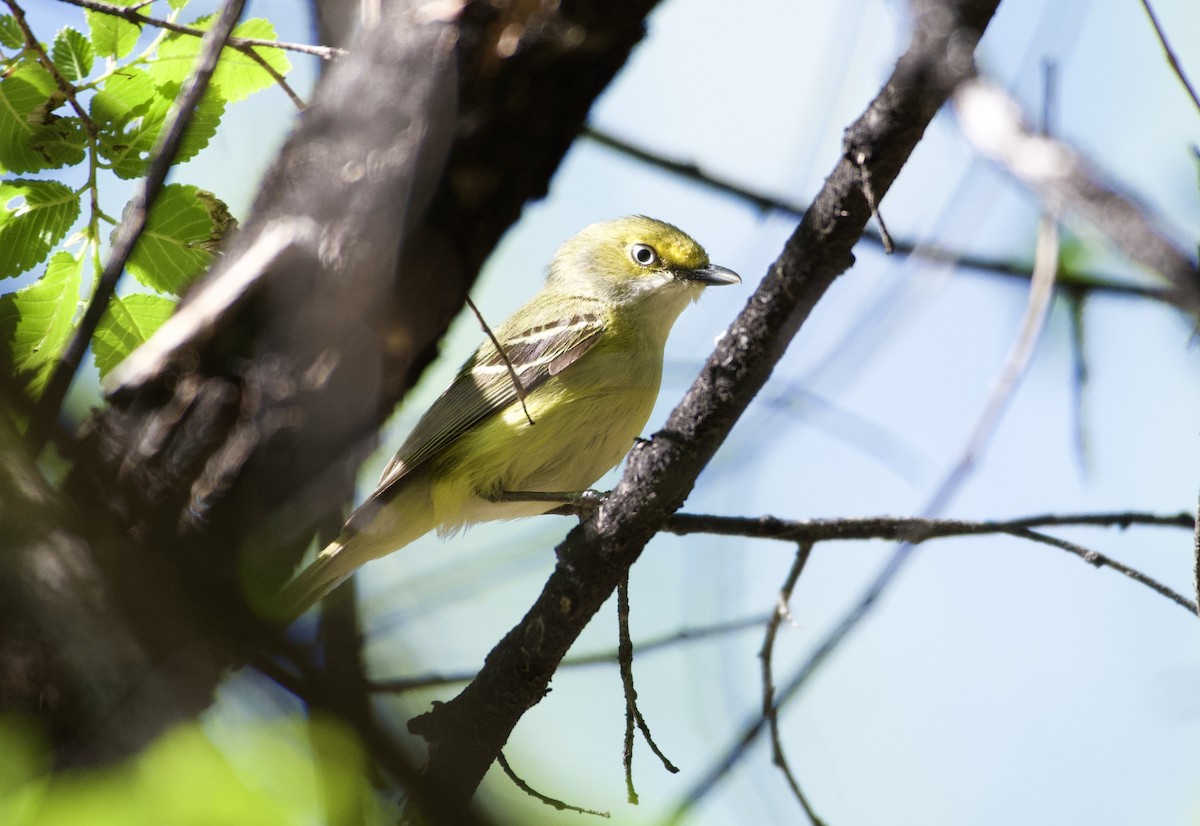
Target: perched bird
588	350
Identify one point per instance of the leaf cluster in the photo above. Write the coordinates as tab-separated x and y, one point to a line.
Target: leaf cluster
88	106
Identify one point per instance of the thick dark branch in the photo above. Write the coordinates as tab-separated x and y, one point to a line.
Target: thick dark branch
241	424
466	734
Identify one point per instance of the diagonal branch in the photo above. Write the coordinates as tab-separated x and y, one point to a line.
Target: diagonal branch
466	734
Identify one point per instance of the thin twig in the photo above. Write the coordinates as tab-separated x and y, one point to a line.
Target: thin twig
1041	291
512	372
769	709
133	15
163	155
913	529
1101	560
1196	554
860	160
549	801
68	89
633	715
266	66
1176	67
933	254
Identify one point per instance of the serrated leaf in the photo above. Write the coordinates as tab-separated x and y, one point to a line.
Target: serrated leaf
238	75
125	325
125	95
11	36
174	248
131	111
72	53
112	36
23	96
34	216
36	322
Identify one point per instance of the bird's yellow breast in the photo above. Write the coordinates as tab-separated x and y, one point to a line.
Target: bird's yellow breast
584	421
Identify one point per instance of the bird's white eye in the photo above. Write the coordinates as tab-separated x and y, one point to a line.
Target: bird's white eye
643	255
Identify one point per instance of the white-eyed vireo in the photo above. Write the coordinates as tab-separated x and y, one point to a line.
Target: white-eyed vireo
588	349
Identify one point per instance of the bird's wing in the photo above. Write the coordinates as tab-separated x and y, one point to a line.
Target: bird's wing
484	386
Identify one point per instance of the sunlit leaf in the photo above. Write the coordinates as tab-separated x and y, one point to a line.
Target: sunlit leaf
175	246
61	142
132	109
112	36
23	95
128	321
34	216
72	53
238	75
11	36
36	321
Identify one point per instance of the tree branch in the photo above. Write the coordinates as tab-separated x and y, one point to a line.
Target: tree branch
134	15
466	734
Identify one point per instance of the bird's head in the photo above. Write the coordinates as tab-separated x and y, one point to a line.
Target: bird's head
636	261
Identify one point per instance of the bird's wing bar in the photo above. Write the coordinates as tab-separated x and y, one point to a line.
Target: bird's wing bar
484	386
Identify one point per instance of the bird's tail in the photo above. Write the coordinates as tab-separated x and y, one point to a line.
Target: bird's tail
332	566
383	524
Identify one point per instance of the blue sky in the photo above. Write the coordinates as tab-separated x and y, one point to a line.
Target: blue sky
998	681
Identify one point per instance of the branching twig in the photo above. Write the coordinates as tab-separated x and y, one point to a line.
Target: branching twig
911	530
67	88
633	715
769	709
134	15
915	530
549	801
1100	560
163	155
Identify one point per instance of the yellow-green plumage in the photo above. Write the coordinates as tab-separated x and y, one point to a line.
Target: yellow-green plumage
588	349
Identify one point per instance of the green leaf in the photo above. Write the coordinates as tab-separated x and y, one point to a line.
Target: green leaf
128	321
61	142
36	321
34	216
131	110
72	54
123	96
11	36
23	98
175	247
237	74
112	36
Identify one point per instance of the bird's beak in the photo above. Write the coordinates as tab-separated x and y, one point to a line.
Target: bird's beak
711	276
